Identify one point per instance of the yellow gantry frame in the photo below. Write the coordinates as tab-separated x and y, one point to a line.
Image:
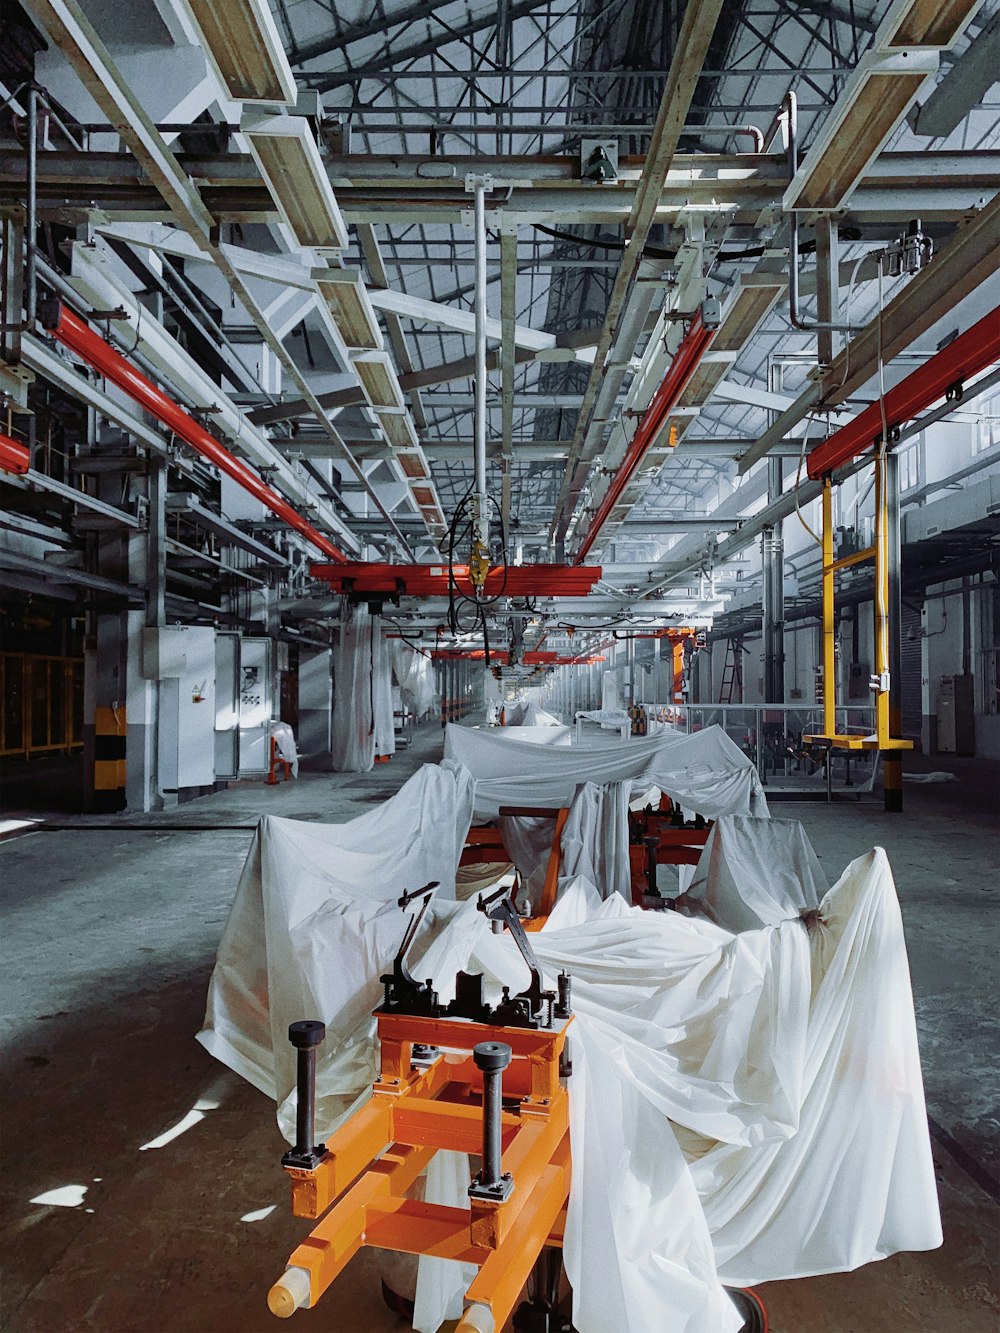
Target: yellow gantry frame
879	552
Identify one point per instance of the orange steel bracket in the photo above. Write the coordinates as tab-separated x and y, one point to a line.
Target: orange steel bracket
554	866
358	1187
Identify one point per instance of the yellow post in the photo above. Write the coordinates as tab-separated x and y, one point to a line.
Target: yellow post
829	653
881	601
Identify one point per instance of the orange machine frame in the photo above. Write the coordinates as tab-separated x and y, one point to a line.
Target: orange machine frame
359	1186
485	844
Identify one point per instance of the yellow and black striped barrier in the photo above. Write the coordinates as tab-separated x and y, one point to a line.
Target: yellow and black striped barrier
109	759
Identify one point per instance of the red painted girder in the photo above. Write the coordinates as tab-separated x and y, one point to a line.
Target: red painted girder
75	334
692	348
500	657
969	354
14	456
432	580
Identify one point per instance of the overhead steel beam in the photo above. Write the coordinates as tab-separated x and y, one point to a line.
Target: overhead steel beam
700	17
461	321
69	28
964	86
462	369
938	186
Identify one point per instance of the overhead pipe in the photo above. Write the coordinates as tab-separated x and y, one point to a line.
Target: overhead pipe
939	377
74	333
685	362
728	131
14	456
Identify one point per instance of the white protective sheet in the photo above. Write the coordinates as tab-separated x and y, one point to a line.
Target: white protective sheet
536	716
705	772
315	922
594	843
540	735
362	699
754	872
607	717
745	1106
284	738
415	676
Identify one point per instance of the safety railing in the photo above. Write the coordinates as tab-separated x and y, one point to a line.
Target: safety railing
771	735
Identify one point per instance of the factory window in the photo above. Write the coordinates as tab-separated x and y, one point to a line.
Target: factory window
909	466
987	432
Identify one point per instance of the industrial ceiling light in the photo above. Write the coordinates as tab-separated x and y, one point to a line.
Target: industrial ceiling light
287	156
414	464
344	292
936	24
753	299
378	382
398	430
242	43
710	371
875	99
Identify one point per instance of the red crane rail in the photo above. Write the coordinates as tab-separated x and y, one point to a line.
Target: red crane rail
69	329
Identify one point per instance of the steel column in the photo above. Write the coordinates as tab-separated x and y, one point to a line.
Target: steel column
773	599
481	511
892	760
31	213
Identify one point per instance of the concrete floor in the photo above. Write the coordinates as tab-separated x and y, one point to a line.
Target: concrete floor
111	926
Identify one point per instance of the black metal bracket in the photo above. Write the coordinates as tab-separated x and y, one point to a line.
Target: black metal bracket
403	993
531	1008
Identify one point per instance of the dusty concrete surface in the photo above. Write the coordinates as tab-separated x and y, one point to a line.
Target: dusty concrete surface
110	932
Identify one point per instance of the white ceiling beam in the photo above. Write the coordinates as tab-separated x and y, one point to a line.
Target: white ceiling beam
463	321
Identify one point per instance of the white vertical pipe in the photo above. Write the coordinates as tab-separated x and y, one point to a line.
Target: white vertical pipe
479	437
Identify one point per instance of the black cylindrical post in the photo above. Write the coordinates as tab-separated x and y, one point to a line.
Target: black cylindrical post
564	1007
492	1058
306	1036
652	842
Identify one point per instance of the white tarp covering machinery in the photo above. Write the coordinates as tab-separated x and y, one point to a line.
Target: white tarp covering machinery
745	1102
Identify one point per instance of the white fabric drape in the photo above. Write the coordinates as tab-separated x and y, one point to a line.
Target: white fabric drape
755	872
744	1107
415	677
284	739
595	839
705	772
362	694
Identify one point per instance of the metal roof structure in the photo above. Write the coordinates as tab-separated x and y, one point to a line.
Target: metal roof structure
205	169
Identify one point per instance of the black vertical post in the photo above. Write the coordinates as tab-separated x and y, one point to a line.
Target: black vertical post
306	1036
492	1058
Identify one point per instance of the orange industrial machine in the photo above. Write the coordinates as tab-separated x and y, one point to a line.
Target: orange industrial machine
465	1076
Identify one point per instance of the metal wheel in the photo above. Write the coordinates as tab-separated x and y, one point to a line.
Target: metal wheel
396	1303
751	1307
